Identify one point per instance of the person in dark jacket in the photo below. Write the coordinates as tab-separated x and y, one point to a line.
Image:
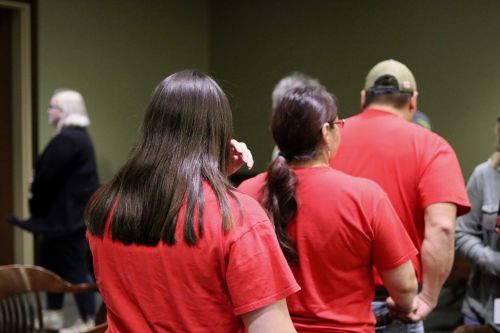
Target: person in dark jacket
65	178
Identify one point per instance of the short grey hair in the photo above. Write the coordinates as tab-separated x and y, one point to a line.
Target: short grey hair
72	105
293	81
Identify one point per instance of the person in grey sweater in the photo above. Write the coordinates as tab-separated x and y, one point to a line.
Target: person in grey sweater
478	239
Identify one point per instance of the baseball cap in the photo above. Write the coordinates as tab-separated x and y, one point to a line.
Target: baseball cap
406	80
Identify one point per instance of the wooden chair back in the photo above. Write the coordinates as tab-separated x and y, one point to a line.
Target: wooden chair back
99	329
20	301
474	329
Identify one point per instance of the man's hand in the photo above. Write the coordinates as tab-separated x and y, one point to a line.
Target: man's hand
239	155
421	308
396	311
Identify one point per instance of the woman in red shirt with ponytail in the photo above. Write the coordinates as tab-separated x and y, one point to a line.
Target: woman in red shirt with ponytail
333	228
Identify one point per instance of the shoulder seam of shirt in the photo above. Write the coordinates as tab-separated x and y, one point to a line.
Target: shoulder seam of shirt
249	229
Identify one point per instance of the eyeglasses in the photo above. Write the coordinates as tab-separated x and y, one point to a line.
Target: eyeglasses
54	106
339	123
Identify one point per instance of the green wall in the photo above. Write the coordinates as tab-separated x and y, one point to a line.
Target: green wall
115	53
452	46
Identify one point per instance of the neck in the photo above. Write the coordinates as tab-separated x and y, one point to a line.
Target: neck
404	113
309	164
321	160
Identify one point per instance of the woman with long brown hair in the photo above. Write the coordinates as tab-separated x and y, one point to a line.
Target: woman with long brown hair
333	228
176	248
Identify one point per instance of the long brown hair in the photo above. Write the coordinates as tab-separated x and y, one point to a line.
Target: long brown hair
296	127
185	139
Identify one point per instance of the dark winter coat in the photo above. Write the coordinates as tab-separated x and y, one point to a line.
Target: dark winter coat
64	180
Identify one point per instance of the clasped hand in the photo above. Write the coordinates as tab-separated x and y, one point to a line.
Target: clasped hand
418	311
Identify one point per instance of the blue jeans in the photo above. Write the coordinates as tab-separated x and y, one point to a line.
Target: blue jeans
393	325
471	321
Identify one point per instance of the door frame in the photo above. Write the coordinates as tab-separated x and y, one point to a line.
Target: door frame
23	111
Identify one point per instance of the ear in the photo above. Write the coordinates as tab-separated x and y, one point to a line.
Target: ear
413	102
363	98
326	132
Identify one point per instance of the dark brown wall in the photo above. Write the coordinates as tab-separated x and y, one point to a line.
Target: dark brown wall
6	191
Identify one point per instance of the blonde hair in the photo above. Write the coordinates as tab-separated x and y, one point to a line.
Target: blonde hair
495	158
72	105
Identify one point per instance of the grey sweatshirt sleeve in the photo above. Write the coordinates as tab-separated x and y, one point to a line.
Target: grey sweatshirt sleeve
469	232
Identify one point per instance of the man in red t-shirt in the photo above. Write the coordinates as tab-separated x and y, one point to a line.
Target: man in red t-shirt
417	169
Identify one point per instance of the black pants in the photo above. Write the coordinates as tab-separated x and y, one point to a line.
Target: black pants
67	257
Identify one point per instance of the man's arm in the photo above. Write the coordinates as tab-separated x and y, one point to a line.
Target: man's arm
269	319
401	283
438	250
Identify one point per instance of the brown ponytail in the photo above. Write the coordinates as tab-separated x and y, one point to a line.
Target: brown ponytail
279	200
296	126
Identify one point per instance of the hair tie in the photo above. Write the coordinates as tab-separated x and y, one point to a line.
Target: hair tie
282	154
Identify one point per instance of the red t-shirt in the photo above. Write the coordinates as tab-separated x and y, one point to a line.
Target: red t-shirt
202	288
343	226
414	166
